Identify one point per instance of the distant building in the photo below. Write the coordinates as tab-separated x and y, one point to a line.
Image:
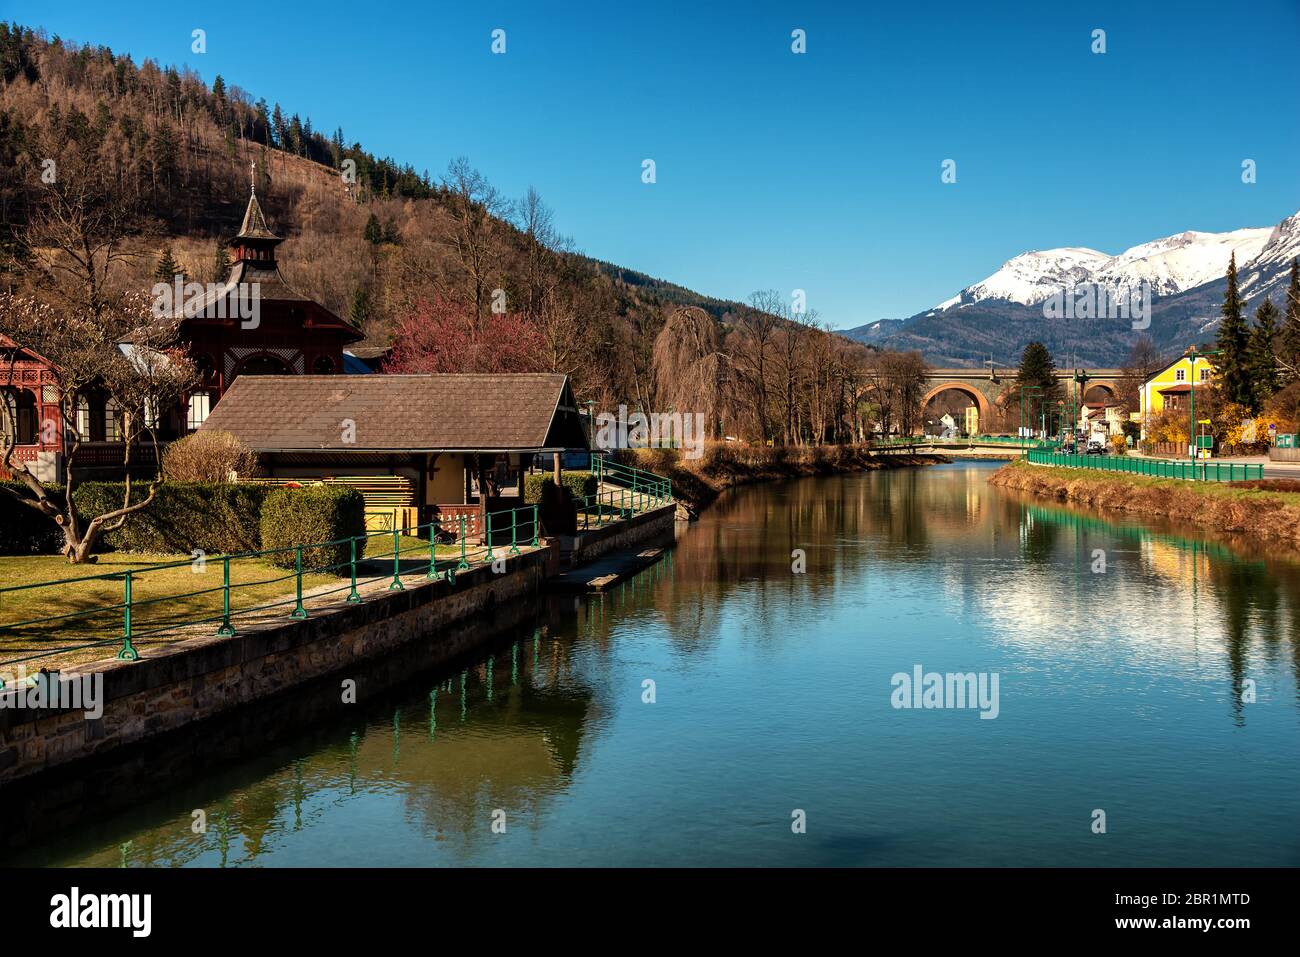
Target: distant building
1171	388
972	423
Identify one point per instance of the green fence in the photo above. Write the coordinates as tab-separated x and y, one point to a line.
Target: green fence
646	484
1156	468
438	550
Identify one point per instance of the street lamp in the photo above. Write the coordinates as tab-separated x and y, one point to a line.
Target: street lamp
1026	391
1192	356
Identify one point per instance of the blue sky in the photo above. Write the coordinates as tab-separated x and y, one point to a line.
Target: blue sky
818	171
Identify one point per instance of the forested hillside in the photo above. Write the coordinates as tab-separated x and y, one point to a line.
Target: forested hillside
440	265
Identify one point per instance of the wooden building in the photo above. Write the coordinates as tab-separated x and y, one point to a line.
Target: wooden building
254	323
420	447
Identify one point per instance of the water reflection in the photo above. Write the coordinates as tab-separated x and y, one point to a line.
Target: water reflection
1123	682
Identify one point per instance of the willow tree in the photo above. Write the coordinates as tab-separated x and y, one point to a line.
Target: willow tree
691	369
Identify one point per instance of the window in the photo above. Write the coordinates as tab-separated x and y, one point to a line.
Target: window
1205	374
200	405
1180	375
83	418
113	425
322	365
264	365
20	415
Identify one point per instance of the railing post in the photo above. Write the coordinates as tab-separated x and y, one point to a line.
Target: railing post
396	584
514	535
536	541
298	611
354	596
488	536
128	652
227	630
433	550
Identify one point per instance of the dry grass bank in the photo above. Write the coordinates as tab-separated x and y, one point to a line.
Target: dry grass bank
1268	514
697	482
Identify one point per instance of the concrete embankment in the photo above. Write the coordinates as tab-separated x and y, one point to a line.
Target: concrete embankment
1242	508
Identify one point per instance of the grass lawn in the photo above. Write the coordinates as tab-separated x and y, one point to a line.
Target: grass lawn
85	618
98	602
1227	491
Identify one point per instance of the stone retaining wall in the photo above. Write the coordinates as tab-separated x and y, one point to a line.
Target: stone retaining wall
175	684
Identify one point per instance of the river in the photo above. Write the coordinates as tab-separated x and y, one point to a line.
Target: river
727	707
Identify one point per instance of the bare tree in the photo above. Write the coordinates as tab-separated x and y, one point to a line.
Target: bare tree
474	202
123	351
690	368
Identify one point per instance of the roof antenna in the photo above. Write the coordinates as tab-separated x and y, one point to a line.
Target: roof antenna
252	177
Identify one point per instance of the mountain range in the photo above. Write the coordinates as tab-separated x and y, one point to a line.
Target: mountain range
994	318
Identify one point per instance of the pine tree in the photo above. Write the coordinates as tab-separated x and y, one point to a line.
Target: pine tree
1263	365
167	268
1288	340
360	311
220	263
1038	369
374	233
1233	340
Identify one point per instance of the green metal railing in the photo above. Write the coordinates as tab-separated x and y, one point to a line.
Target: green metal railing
1155	468
367	560
644	483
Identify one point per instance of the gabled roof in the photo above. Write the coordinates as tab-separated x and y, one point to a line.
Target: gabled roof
401	413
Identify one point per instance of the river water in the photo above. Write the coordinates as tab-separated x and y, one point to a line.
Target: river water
1146	680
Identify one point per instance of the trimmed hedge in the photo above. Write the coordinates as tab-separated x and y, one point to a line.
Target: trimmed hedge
217	517
313	513
23	530
579	485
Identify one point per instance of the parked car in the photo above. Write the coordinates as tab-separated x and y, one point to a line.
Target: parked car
1097	444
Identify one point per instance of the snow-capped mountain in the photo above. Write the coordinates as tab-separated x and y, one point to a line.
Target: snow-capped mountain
994	318
1171	265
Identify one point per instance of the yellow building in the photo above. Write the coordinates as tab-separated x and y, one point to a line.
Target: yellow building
1171	387
972	420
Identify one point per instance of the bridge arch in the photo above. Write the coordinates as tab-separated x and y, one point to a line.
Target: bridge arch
1110	385
981	400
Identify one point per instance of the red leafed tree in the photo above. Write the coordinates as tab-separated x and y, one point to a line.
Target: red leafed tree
440	335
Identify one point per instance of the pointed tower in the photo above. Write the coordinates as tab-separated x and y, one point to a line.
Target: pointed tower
255	243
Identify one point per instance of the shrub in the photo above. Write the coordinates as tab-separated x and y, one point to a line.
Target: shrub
310	515
208	457
579	485
217	517
23	530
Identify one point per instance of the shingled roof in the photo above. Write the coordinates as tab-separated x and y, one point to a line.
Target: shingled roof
401	413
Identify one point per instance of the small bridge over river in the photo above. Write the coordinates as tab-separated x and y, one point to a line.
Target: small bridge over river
984	386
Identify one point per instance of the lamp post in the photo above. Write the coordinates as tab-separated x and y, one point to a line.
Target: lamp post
1026	391
1192	355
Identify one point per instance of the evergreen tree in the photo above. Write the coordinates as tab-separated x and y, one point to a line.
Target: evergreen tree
1288	340
1037	368
360	311
1263	365
374	233
1233	340
220	263
167	268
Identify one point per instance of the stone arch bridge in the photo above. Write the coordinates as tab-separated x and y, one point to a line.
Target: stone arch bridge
984	386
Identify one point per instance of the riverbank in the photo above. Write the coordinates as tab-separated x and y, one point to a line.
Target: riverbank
1239	507
724	465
